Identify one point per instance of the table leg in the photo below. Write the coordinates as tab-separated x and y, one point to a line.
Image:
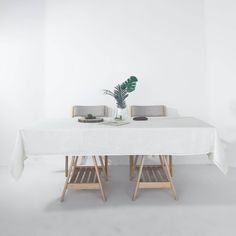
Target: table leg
103	166
138	179
99	179
68	178
171	165
106	165
66	166
166	168
135	161
131	167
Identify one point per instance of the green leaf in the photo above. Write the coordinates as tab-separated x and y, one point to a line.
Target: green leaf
120	95
129	84
121	92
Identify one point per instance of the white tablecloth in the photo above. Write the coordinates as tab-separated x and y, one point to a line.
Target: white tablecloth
164	135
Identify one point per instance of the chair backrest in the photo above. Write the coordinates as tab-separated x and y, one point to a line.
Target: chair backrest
149	111
99	111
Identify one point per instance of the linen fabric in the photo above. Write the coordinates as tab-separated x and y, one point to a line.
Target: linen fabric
156	136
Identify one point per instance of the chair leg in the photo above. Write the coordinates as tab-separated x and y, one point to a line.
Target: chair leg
135	161
161	161
138	179
171	165
166	169
106	165
99	179
103	167
74	166
66	166
67	179
131	167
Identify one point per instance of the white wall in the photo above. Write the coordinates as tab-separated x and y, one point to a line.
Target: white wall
92	45
221	69
21	69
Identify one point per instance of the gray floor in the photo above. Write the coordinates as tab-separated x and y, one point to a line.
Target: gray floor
206	205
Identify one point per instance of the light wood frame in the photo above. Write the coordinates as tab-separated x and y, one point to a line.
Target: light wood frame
155	176
133	161
103	161
84	177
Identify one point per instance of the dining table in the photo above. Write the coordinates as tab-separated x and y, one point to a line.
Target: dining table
176	136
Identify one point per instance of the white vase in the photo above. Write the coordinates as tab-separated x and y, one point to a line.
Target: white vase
121	113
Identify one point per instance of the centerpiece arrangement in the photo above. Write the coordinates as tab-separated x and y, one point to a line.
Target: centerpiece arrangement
120	93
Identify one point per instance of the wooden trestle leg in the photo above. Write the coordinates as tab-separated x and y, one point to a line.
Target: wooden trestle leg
99	179
154	176
106	165
138	178
168	174
103	165
67	179
83	177
66	166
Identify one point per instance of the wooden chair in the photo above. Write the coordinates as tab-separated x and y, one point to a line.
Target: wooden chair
98	111
151	176
86	177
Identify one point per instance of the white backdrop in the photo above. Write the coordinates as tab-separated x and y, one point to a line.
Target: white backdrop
221	69
21	69
59	53
92	45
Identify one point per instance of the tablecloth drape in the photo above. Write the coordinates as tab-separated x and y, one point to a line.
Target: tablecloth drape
164	135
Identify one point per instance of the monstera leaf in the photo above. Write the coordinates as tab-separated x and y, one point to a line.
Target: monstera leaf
120	95
121	92
129	84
